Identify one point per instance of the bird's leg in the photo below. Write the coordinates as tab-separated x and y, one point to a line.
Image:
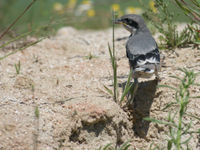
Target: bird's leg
156	73
134	89
157	76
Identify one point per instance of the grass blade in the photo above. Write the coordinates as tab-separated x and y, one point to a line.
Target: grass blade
175	77
186	141
114	60
126	90
37	113
110	52
193	116
125	146
167	86
169	145
195	97
107	146
108	90
168	105
21	49
16	38
159	121
17	19
127	86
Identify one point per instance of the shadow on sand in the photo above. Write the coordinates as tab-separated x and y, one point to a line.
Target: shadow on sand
141	106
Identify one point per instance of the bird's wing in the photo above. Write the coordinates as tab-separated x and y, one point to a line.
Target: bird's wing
142	49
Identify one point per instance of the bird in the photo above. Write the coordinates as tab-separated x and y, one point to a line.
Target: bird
141	48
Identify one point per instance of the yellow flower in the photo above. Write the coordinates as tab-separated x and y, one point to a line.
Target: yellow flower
115	7
152	6
58	7
71	4
130	10
91	13
86	2
85	6
133	10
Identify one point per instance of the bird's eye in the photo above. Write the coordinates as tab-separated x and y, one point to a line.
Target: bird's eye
131	23
127	21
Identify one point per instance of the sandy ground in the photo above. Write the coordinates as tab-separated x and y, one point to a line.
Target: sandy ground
75	111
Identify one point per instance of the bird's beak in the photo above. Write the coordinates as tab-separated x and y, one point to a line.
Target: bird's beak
118	21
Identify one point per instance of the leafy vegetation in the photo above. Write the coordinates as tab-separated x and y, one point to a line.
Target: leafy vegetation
192	9
129	85
180	132
82	14
170	37
124	146
18	67
14	39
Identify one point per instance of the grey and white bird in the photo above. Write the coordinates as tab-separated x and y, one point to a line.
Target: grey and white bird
141	48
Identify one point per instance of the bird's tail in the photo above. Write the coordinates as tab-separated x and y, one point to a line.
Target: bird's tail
146	70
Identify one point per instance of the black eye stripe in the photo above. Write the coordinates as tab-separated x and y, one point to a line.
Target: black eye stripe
127	21
131	23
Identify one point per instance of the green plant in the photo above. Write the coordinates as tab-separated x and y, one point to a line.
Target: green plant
192	10
195	30
190	35
37	113
18	67
36	134
176	121
114	61
128	85
32	87
90	56
17	19
154	147
170	38
21	49
124	146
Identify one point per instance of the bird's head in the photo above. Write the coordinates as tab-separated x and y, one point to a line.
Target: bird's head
131	22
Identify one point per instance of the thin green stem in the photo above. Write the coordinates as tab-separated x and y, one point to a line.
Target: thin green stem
15	39
114	59
15	21
21	49
178	140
